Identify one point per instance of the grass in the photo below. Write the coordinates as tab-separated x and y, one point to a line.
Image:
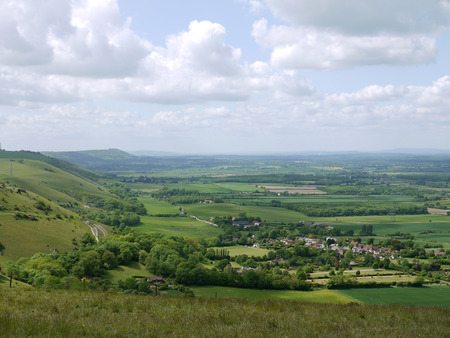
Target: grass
270	214
4	284
320	296
157	207
429	295
123	272
178	226
243	250
75	314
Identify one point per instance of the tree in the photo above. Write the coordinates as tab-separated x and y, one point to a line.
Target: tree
90	264
222	264
109	260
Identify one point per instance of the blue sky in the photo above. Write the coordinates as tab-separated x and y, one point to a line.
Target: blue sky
229	76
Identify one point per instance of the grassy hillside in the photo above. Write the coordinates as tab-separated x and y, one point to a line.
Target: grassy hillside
73	314
30	223
34	201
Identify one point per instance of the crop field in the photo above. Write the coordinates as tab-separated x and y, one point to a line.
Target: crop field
427	295
243	250
320	296
158	207
178	226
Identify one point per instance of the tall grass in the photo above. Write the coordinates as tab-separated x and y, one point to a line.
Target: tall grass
40	313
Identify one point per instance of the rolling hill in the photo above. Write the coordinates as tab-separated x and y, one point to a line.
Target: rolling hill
41	200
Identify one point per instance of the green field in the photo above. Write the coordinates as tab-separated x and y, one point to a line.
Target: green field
431	295
243	250
124	272
270	214
157	207
320	296
178	226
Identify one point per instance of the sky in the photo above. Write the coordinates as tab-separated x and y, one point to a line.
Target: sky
224	76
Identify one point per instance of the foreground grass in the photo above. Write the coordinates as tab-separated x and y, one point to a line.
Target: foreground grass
39	313
431	295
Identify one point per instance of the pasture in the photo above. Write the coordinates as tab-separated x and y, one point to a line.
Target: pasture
157	207
178	226
427	295
270	214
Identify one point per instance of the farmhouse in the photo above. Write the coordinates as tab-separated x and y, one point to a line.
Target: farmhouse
155	280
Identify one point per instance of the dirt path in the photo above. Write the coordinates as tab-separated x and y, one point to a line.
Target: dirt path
95	228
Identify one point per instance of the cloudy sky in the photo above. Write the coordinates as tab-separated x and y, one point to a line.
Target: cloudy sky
224	76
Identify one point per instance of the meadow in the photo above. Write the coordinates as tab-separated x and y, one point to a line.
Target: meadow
178	226
157	207
108	314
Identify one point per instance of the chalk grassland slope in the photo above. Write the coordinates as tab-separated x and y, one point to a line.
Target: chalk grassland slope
48	181
33	198
74	314
25	229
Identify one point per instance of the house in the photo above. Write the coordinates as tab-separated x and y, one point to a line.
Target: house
155	280
238	223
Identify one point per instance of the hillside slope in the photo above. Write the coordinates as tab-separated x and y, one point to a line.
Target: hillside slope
40	205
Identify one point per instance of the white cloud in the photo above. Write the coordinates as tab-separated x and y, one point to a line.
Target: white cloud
309	48
366	17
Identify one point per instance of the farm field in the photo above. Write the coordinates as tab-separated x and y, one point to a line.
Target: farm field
242	250
306	189
216	188
157	207
427	295
320	296
270	214
145	187
178	226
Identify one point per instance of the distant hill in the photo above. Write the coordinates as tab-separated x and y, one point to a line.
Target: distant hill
93	159
40	202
